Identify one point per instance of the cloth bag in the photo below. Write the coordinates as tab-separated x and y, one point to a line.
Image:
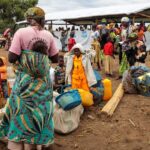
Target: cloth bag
67	121
128	85
143	84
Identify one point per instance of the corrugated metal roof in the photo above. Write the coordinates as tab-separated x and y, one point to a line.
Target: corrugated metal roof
101	11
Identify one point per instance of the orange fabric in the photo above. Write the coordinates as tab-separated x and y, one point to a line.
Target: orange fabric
3	72
3	69
117	31
140	35
79	80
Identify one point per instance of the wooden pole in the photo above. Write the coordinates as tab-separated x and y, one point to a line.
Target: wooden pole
66	26
51	25
112	104
133	20
144	15
96	21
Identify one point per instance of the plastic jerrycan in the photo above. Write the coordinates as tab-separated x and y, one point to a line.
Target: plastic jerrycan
107	89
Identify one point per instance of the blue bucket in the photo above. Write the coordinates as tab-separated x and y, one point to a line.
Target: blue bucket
69	100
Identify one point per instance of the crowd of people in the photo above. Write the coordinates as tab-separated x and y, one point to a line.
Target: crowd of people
128	41
110	39
28	119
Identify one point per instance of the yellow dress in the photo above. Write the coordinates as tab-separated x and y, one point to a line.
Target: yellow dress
79	80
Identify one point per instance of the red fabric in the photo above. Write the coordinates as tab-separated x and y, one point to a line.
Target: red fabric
108	48
71	43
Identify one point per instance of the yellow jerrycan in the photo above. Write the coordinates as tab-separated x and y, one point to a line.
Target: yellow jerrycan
107	89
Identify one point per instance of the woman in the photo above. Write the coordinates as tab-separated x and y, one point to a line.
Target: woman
96	46
125	31
28	118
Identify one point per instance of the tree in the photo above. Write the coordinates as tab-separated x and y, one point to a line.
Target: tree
13	10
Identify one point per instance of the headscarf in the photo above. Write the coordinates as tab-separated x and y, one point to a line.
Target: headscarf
111	25
132	36
125	19
35	13
79	46
103	20
99	27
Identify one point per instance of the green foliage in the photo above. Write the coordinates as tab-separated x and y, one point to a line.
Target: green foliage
4	24
13	8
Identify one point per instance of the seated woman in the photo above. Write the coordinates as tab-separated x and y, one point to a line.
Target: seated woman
3	76
79	72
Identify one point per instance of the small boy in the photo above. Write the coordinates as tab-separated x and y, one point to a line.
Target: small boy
63	39
141	56
59	75
71	41
108	52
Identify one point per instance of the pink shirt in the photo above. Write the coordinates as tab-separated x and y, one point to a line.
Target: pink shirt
25	37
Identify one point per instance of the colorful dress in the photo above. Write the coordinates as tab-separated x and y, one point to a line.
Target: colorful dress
124	64
99	54
60	73
60	77
29	110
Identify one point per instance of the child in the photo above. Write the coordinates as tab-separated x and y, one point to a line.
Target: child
63	39
108	52
40	46
79	72
141	56
60	75
71	41
3	76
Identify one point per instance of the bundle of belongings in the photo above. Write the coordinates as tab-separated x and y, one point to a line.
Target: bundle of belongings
69	105
136	80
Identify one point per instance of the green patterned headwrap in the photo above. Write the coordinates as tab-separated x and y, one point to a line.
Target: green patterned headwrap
132	36
35	12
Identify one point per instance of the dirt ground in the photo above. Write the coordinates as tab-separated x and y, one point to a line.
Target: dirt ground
127	129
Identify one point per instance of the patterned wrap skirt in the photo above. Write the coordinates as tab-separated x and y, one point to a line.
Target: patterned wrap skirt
29	109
